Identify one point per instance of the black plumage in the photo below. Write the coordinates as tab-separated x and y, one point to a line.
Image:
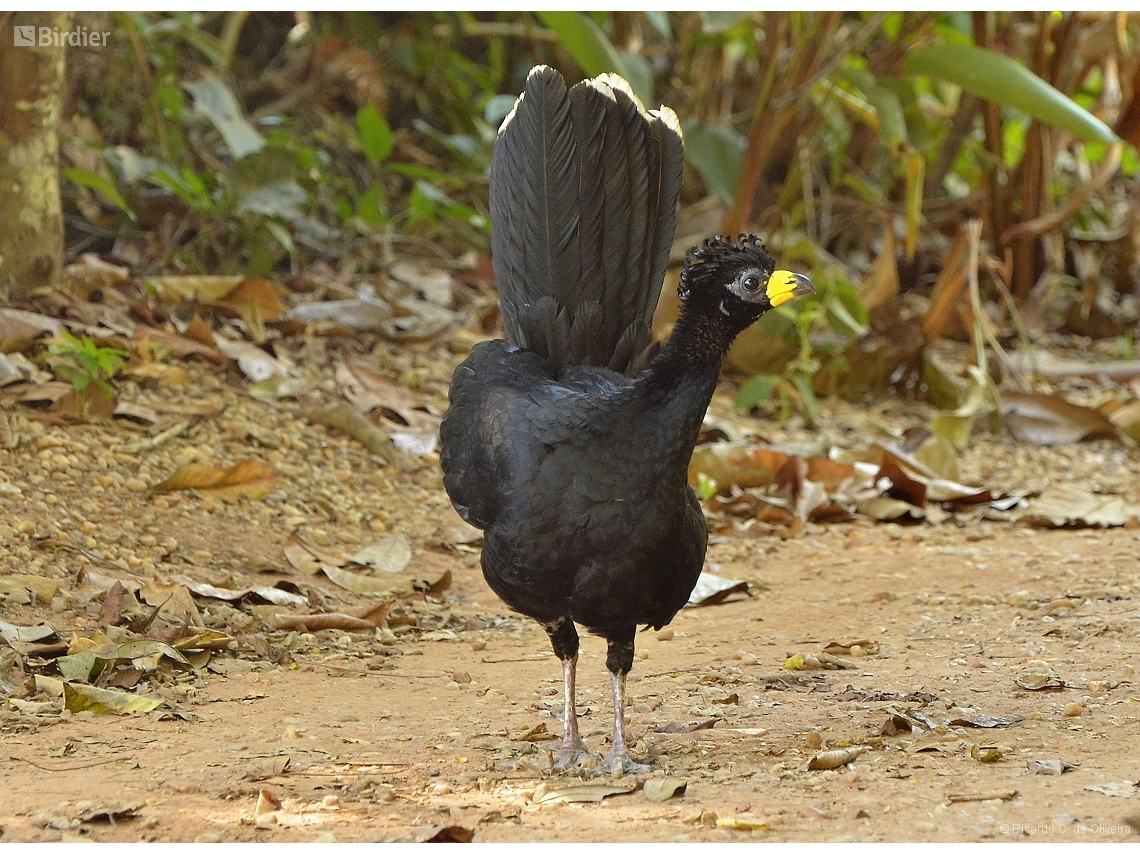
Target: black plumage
562	444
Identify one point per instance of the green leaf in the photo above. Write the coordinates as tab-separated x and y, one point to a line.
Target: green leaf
100	185
281	235
717	153
706	486
214	100
802	382
995	76
376	140
718	22
755	391
370	206
660	22
589	46
78	697
892	125
639	75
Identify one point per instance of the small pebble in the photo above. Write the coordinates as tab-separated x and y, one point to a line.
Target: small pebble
1072	709
813	739
665	634
478	644
857	651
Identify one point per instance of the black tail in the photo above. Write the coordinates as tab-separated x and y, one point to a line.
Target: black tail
584	187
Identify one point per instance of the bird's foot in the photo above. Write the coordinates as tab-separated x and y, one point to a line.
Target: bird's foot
620	763
574	755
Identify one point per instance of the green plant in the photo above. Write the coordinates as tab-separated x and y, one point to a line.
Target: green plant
84	364
823	323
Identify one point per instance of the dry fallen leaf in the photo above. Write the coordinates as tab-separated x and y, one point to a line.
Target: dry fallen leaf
1041	683
743	822
592	792
266	803
986	753
1050	767
450	834
835	758
194	288
391	554
1051	420
250	478
983	796
254	362
711	589
348	419
1068	505
663	789
313	623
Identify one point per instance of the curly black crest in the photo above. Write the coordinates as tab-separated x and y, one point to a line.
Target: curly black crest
719	258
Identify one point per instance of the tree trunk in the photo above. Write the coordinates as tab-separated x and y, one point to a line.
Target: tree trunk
31	87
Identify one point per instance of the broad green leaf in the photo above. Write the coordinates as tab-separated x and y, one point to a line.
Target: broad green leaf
915	175
755	391
1007	82
376	138
281	235
718	22
370	206
214	100
589	46
100	185
80	666
807	396
78	697
892	125
639	73
145	647
660	22
279	199
717	154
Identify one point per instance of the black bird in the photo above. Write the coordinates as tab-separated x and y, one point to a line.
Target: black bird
567	444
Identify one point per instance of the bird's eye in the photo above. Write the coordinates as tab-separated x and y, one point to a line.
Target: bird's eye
751	284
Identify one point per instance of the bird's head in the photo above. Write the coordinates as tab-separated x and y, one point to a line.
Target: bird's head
736	279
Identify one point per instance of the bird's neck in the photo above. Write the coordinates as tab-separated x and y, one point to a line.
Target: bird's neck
679	383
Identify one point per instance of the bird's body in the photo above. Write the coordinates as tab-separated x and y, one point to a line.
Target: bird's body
567	452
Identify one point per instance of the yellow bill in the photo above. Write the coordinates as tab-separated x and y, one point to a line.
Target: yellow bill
783	285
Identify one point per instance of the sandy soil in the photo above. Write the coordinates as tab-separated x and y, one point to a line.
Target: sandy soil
448	723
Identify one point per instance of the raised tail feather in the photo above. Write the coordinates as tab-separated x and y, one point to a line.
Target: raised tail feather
584	188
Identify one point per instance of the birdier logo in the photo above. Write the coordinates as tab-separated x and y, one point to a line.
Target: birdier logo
25	35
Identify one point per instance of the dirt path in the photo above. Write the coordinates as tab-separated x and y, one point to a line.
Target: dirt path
438	721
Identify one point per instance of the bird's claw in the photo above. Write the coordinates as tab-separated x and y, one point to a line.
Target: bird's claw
575	754
623	764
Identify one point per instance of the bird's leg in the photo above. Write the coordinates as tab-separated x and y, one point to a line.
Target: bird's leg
564	640
619	661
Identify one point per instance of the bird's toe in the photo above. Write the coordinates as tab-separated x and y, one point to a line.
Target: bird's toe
622	763
574	756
